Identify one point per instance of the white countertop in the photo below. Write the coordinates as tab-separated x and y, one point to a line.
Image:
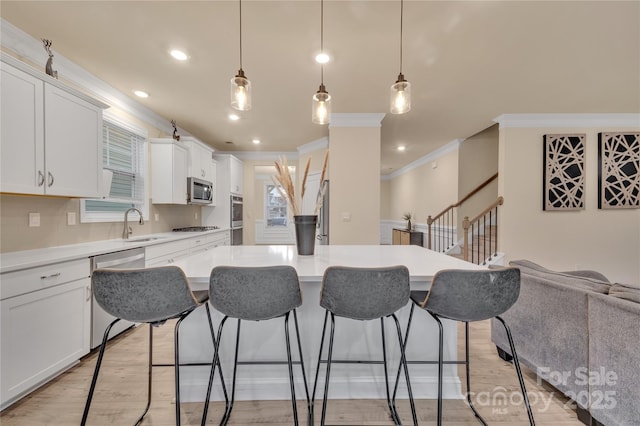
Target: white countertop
17	260
421	262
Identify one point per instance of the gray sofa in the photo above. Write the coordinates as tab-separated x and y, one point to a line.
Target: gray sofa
581	334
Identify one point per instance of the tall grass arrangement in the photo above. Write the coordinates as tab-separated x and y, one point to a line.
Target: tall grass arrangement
286	187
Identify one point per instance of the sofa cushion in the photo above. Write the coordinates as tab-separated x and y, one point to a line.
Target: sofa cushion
580	279
625	291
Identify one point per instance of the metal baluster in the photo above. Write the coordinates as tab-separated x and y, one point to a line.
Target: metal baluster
490	233
496	230
484	240
472	237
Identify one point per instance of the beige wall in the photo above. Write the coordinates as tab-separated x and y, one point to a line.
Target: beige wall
604	240
424	190
355	185
53	230
477	161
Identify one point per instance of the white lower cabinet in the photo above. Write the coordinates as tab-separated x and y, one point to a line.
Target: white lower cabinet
43	331
166	253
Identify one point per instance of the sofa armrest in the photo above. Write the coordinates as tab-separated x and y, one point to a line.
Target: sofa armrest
588	274
614	360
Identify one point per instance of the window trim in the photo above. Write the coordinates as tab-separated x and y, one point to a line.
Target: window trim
97	217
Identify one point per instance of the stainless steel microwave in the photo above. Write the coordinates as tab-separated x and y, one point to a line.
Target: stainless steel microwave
199	191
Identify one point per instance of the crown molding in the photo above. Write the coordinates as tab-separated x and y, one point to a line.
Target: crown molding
318	144
568	120
29	49
356	119
432	156
261	156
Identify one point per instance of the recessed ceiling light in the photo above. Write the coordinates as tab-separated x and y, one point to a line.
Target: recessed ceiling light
179	55
141	94
402	148
256	141
322	58
234	117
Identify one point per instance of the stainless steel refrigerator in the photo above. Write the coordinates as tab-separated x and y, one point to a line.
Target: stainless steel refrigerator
323	216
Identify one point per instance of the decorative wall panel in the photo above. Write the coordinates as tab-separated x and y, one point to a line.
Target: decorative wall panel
618	170
563	175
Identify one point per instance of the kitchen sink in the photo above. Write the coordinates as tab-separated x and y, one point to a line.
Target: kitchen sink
142	239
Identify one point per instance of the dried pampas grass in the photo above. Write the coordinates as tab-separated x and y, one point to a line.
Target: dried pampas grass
284	183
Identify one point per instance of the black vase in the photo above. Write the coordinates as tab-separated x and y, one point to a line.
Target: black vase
305	233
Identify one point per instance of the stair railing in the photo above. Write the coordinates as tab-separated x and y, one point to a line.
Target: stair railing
445	221
479	244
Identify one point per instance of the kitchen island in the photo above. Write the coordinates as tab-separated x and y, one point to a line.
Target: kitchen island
353	340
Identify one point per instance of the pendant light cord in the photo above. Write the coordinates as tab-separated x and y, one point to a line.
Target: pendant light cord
322	40
240	2
401	16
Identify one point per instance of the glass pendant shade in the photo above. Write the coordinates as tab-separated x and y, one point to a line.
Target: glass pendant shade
241	92
321	106
400	96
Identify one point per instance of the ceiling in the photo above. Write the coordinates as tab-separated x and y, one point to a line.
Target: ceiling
468	62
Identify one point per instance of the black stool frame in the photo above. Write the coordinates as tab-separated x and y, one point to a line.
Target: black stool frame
177	364
290	362
390	401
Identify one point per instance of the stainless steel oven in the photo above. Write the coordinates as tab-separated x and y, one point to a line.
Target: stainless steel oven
236	220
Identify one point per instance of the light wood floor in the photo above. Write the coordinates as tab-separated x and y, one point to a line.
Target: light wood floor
121	392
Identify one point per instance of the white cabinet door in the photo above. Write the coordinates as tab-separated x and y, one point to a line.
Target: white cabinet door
22	157
168	172
43	333
73	145
51	137
236	171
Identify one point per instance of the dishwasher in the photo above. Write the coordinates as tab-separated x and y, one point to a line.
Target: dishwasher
100	320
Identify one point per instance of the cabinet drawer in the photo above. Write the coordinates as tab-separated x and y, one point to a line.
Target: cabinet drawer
166	249
29	280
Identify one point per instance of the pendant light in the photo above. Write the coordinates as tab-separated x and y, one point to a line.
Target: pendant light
321	109
240	84
401	89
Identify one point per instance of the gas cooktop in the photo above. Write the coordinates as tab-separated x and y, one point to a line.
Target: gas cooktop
196	228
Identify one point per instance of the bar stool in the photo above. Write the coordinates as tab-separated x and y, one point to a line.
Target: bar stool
255	294
463	295
364	294
151	296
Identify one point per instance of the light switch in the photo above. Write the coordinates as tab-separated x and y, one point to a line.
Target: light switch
34	219
156	216
71	218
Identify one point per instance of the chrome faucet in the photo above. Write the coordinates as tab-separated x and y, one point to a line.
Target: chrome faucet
127	229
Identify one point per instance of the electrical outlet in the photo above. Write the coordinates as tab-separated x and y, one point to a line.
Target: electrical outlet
34	219
156	216
71	218
346	217
196	215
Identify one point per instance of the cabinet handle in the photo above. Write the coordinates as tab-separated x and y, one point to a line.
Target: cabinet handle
40	178
51	180
44	277
202	172
88	293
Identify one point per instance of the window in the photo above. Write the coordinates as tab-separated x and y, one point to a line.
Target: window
124	152
276	208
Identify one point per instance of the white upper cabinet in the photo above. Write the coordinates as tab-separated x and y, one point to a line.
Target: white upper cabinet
168	172
51	135
200	159
235	170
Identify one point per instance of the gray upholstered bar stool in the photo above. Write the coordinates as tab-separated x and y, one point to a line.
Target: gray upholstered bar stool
364	294
463	295
151	296
255	294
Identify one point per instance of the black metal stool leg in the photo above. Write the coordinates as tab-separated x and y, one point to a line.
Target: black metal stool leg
468	378
326	383
290	365
304	374
404	347
176	352
403	363
516	364
392	408
94	380
440	365
150	377
315	382
216	361
227	413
